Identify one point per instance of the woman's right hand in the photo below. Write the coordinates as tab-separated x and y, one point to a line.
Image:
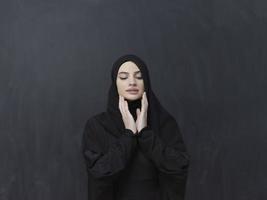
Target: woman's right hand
127	117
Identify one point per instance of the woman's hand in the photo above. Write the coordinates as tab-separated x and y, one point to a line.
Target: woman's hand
127	117
141	120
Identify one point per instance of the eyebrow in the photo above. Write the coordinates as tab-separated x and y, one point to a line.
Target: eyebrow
128	73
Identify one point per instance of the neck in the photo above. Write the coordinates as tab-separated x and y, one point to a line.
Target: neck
133	105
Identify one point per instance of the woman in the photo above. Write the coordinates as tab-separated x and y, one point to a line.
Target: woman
134	150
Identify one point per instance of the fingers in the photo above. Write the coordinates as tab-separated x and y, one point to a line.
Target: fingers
138	115
145	98
144	103
127	118
138	111
126	107
121	105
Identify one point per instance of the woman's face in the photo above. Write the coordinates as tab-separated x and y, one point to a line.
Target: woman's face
129	81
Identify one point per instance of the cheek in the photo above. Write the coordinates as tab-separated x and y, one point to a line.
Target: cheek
121	86
141	85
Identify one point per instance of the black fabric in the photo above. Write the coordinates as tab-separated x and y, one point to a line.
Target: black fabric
121	165
156	112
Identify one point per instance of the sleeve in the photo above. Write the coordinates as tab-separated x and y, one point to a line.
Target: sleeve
168	154
106	164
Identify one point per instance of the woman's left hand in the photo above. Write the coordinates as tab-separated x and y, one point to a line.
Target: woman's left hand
141	120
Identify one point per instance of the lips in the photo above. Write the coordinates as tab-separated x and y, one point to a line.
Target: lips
132	90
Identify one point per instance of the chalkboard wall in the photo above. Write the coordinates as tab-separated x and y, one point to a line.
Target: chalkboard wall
207	61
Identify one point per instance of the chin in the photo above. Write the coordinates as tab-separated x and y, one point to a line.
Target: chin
132	98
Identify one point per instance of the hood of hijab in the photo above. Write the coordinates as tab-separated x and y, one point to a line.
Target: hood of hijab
113	119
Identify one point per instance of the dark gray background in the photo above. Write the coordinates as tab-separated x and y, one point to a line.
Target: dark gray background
207	61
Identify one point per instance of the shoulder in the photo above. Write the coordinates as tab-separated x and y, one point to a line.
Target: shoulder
93	128
166	119
95	133
95	120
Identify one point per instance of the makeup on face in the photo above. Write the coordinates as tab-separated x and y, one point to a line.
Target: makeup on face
125	75
129	81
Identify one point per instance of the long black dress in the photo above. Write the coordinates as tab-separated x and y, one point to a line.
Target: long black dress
151	165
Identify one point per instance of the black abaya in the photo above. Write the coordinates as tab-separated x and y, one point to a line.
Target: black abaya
123	166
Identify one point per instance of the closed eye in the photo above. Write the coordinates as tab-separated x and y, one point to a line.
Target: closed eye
123	78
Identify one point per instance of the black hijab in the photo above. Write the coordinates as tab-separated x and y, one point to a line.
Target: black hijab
156	115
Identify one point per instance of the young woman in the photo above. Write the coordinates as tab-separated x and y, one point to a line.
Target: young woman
134	150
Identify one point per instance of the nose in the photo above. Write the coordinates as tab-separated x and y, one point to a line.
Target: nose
132	81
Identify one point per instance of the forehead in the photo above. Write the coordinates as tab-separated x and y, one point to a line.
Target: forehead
128	66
